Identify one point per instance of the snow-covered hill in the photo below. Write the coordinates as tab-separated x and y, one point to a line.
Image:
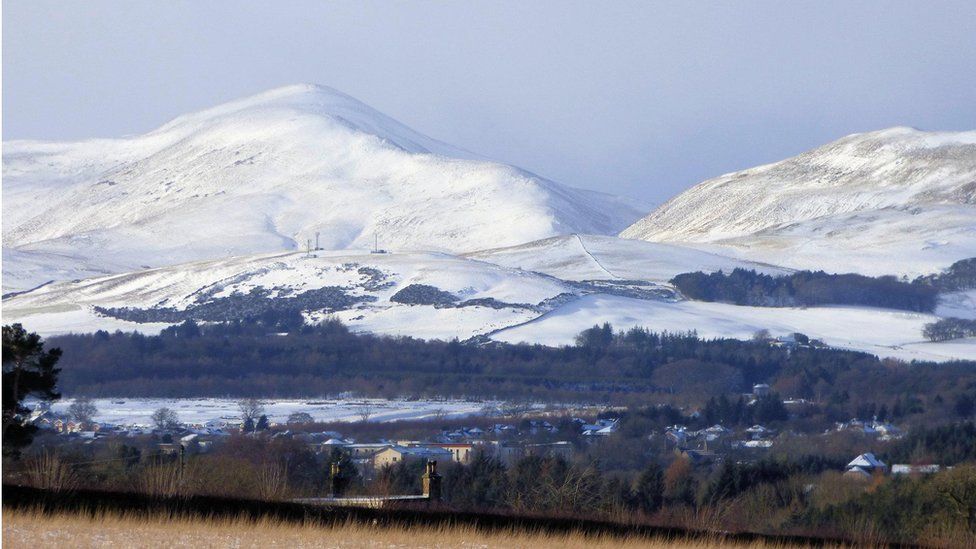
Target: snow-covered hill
595	257
440	296
897	201
429	295
267	173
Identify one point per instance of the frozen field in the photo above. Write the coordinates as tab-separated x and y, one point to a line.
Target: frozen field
192	411
884	332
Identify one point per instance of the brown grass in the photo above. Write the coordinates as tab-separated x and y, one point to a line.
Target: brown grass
37	530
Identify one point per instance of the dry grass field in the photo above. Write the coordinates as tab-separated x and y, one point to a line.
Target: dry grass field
36	531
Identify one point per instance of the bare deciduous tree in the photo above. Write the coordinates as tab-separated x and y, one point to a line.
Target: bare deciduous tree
272	481
251	409
516	409
83	410
365	412
49	472
165	419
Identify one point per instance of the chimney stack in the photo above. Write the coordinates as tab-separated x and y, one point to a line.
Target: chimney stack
336	480
432	482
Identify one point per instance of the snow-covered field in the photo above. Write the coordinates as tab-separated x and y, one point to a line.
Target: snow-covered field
882	332
198	411
530	310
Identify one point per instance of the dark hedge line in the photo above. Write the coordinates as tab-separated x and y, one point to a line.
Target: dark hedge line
806	288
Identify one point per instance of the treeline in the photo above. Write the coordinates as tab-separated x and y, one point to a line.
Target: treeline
961	275
806	288
724	411
946	329
244	359
247	359
946	444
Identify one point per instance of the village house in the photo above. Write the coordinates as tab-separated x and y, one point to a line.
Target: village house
506	452
874	428
460	452
865	466
759	432
713	437
739	444
538	426
676	436
332	444
397	454
715	432
560	449
786	341
363	454
602	428
697	457
504	429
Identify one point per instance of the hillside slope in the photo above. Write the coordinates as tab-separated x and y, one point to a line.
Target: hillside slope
440	296
897	201
429	295
594	257
267	173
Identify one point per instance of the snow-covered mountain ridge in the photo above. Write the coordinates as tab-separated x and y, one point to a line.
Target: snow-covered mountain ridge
267	173
896	201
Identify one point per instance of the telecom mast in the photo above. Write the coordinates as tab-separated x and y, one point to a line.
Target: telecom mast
376	245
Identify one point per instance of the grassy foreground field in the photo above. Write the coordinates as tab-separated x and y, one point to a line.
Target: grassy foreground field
38	530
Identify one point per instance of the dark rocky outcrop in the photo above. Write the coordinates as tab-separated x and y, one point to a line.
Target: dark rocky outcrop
239	306
423	294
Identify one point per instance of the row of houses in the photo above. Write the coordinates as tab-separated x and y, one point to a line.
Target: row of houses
597	428
680	437
371	456
874	428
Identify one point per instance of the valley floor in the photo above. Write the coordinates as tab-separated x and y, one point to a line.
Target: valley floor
37	531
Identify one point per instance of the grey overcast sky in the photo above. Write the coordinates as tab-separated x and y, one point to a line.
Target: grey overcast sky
638	98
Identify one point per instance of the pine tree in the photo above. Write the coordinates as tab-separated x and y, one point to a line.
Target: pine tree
27	371
649	489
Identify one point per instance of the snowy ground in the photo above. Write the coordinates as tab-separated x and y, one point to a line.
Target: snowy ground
556	308
594	257
958	305
882	332
68	306
137	411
